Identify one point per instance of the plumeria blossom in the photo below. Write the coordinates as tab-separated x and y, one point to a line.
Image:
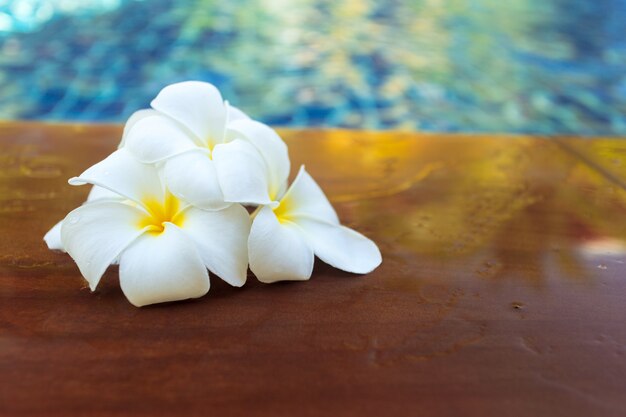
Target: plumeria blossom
166	205
286	236
211	153
162	243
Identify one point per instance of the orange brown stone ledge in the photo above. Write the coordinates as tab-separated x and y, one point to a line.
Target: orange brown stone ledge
501	291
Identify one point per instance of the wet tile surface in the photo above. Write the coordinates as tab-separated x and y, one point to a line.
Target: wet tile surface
606	155
501	291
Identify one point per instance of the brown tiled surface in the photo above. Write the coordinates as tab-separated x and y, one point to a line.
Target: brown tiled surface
501	292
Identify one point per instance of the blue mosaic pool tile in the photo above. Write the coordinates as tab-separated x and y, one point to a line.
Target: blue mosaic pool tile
536	66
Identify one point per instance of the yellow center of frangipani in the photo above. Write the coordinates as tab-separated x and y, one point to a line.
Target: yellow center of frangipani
209	144
282	212
161	212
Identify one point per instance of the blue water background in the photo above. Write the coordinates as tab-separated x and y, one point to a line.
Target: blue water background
533	66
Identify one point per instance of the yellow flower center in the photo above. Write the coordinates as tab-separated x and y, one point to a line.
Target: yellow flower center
282	211
161	212
210	144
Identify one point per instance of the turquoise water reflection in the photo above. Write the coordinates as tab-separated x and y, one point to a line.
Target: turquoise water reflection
541	66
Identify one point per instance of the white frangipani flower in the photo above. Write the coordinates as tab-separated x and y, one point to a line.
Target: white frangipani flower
165	205
163	244
211	153
285	237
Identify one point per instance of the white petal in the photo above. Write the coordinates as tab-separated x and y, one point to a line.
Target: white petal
340	246
121	173
155	138
191	177
162	267
271	147
234	113
99	193
221	238
196	105
134	118
96	233
53	238
305	197
278	252
242	173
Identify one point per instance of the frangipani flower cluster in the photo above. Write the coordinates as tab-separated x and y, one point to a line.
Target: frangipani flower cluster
168	205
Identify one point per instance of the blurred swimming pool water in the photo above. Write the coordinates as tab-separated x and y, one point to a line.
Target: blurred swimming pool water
536	66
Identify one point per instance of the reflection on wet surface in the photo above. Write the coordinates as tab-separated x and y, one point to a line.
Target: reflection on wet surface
523	201
501	287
